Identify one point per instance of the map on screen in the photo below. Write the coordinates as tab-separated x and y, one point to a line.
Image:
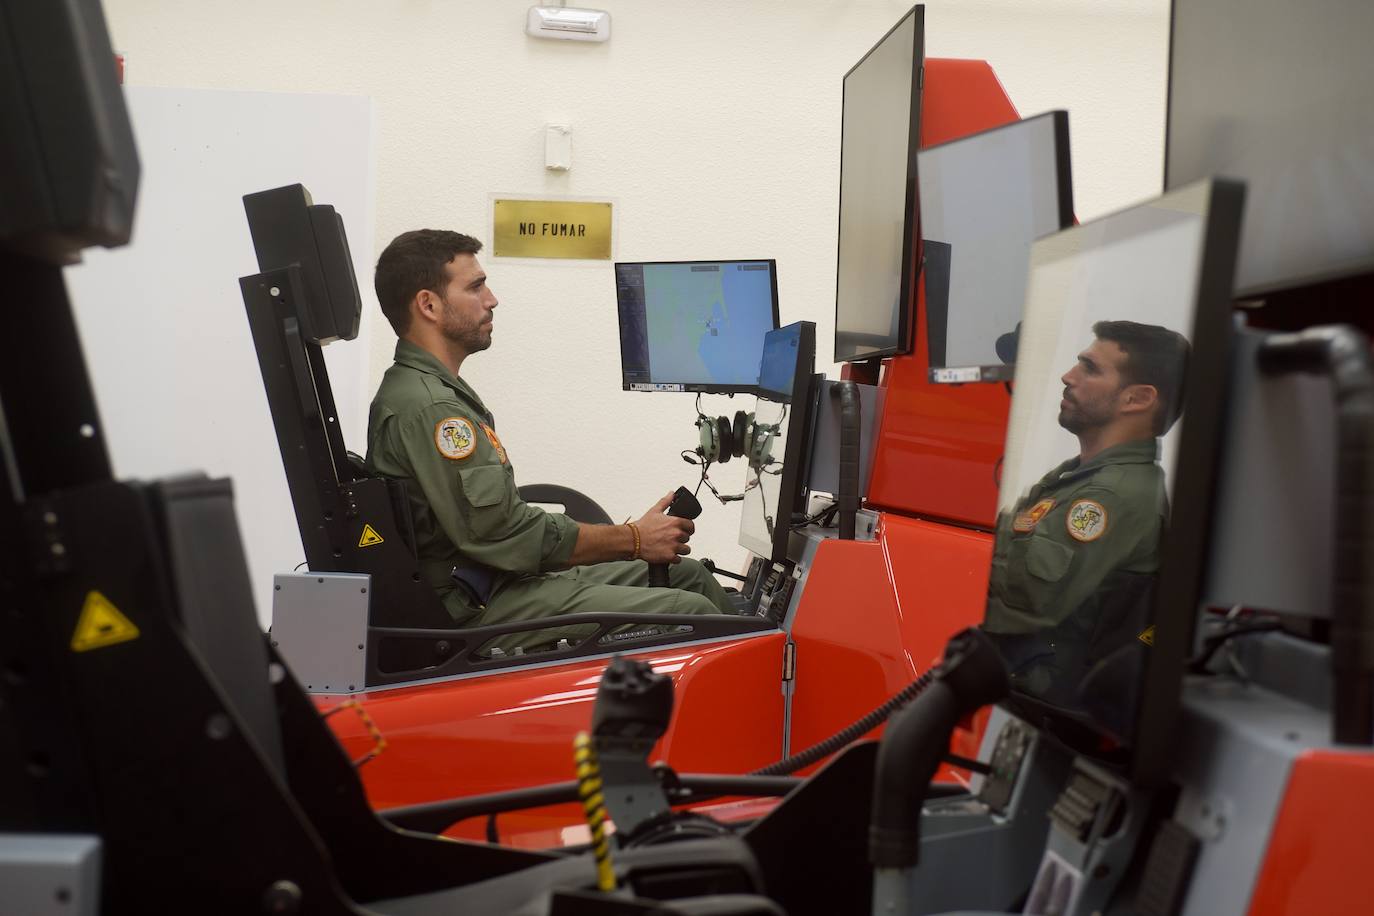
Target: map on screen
694	325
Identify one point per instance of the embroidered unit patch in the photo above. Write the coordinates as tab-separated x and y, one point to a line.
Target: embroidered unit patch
1086	521
495	441
455	438
1027	520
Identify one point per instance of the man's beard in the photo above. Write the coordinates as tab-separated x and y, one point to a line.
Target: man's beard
1078	418
471	336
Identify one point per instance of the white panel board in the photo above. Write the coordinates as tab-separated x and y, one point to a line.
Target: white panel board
162	322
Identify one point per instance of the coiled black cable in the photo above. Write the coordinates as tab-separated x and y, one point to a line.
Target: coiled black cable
838	740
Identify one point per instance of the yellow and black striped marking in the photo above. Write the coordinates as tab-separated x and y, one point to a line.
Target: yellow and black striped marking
378	742
594	805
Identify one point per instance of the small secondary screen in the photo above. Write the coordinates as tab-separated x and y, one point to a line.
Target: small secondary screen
694	325
778	369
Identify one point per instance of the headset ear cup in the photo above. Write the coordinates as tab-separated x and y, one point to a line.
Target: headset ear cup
725	439
710	441
750	430
737	433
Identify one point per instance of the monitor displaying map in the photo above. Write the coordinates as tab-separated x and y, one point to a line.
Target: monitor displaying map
694	325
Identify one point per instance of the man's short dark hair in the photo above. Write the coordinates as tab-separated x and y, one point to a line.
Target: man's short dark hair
414	261
1155	356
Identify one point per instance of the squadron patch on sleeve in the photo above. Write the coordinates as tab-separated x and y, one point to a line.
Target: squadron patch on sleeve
455	438
495	441
1086	521
1027	520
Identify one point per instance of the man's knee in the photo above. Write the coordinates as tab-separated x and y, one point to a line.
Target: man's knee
693	603
687	573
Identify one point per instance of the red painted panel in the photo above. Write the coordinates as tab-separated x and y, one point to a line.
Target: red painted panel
1321	851
514	730
939	445
875	615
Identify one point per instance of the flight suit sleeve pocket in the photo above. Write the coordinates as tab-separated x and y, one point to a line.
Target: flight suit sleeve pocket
1047	560
484	486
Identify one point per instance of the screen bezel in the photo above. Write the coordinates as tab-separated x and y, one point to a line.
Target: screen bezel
910	219
1064	199
799	428
692	386
1185	546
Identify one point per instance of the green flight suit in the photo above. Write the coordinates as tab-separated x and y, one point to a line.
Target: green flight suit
429	428
1074	566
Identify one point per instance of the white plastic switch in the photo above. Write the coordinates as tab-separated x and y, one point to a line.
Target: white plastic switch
557	147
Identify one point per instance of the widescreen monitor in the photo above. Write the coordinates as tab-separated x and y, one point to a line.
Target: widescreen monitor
880	132
1276	94
694	325
776	441
984	199
1120	381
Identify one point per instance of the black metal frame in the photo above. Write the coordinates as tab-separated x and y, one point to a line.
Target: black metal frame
397	655
1186	546
332	503
911	219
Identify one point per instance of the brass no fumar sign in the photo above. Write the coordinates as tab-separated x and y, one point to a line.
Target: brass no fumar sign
552	229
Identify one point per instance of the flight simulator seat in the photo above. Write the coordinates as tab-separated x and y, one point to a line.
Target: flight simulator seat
354	525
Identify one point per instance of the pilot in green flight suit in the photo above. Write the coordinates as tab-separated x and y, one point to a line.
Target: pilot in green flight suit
1075	561
428	427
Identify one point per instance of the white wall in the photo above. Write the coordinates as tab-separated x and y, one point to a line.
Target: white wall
162	320
713	125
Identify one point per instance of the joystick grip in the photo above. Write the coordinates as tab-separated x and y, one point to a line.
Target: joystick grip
684	505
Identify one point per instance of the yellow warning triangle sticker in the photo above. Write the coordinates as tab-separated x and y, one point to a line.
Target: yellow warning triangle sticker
101	624
370	537
1148	636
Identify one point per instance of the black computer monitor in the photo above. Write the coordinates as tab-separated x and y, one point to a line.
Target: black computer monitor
775	443
880	133
984	199
1091	603
1277	94
289	228
694	325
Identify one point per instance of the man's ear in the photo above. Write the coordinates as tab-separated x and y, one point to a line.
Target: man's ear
1140	398
426	306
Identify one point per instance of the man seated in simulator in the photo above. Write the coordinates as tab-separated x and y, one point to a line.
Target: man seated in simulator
1075	561
492	557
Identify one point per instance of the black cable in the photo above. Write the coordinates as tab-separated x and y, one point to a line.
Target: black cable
968	763
838	740
693	458
829	510
1211	644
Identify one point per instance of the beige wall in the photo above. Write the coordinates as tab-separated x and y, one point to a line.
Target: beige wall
713	125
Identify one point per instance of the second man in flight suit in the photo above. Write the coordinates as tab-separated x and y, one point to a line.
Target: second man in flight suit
1075	561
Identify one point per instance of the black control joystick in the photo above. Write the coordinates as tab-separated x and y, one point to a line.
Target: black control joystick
684	505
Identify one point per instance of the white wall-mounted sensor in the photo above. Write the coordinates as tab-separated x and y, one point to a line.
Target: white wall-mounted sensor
568	23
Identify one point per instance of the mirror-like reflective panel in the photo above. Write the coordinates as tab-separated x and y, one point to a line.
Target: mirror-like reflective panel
1118	316
984	200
